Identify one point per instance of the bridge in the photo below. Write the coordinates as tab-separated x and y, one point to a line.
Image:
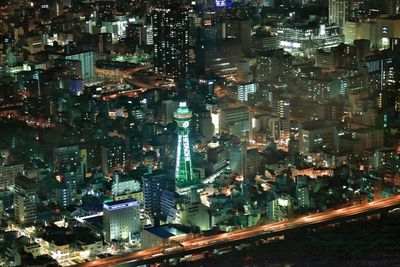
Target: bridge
130	78
202	244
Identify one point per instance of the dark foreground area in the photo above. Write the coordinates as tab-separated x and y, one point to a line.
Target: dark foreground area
373	242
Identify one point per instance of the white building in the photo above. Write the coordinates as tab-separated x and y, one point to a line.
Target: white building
87	61
194	214
121	219
244	89
122	185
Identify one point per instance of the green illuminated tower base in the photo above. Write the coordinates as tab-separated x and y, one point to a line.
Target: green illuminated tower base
183	171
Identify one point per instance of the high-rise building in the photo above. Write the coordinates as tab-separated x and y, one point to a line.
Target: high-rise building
168	203
303	196
202	124
281	107
71	182
72	67
8	173
171	40
244	89
25	198
183	169
371	185
167	108
280	208
244	161
337	12
153	186
253	163
293	148
62	195
263	41
105	42
392	7
134	32
234	118
113	155
83	63
237	159
67	159
317	135
121	219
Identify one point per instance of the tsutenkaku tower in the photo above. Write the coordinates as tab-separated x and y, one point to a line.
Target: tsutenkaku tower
183	169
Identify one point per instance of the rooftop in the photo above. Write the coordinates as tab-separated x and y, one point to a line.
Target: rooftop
26	183
314	125
165	231
119	204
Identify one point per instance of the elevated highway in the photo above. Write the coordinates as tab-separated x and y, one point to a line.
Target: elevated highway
208	243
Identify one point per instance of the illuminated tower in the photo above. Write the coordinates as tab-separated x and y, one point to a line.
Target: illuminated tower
183	170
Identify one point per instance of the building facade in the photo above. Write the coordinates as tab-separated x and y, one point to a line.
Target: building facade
121	219
25	199
171	41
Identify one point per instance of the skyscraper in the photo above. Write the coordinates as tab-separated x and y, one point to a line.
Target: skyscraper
337	12
171	41
183	171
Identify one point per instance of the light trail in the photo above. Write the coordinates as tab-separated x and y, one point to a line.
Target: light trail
202	243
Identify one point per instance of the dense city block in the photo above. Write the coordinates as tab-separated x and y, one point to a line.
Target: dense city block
196	132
